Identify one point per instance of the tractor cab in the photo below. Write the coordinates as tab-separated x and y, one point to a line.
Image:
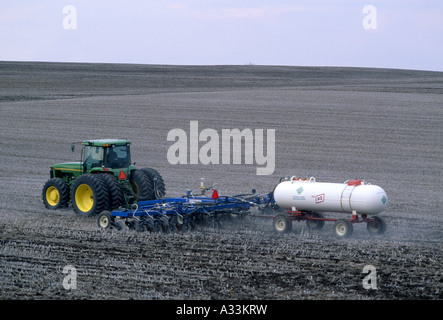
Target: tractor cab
112	154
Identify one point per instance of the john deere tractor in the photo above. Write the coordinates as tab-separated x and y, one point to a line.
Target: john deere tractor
104	179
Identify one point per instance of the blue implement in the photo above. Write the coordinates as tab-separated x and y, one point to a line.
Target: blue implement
180	213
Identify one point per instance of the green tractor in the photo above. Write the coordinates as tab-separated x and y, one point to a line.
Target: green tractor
105	179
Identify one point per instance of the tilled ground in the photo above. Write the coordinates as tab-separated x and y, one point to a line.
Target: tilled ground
244	263
336	124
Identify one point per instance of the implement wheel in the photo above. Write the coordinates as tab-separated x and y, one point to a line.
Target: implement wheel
55	193
89	195
105	220
282	223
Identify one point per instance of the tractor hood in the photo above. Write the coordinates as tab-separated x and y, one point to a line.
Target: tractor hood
68	167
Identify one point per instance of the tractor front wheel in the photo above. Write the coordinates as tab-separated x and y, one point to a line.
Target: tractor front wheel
55	193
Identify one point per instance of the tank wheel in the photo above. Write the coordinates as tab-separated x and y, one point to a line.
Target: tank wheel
376	226
105	220
282	223
315	224
55	193
343	228
89	195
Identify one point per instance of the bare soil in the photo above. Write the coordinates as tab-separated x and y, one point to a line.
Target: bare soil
381	125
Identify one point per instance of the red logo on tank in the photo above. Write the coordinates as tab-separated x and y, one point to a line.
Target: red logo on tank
319	198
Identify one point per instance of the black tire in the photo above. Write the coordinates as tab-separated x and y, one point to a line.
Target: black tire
114	189
377	226
315	224
282	223
141	185
55	194
105	220
343	228
89	195
157	183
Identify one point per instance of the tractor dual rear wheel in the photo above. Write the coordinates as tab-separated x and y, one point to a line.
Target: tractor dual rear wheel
141	185
89	195
157	183
147	184
115	192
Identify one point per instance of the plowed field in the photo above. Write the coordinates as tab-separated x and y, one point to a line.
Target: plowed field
384	126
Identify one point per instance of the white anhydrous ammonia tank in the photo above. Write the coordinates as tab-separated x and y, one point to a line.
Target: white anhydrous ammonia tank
353	196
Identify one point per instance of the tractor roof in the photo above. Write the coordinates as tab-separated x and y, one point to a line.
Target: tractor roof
106	142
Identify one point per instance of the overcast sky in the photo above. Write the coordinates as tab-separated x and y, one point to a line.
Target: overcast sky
405	34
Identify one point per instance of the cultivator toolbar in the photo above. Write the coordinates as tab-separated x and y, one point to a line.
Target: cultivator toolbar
183	213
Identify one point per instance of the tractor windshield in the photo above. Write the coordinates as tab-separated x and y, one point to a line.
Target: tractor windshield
93	157
117	157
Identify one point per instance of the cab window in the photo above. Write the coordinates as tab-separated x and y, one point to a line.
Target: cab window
117	157
93	157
